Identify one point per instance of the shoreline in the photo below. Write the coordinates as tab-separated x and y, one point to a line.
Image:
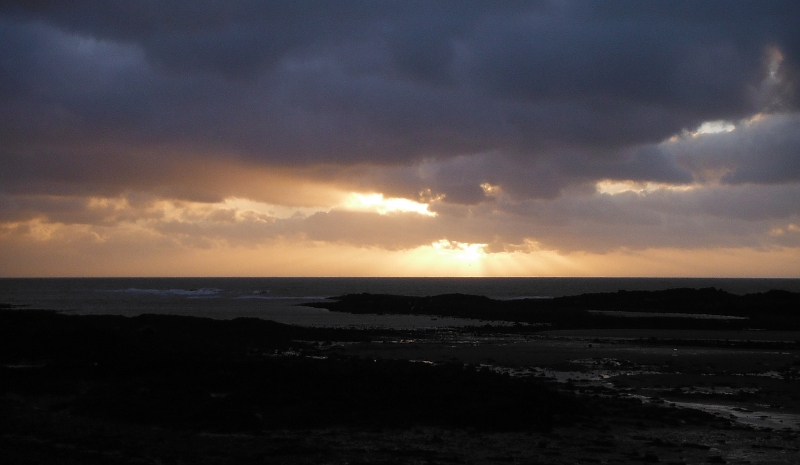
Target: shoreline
296	395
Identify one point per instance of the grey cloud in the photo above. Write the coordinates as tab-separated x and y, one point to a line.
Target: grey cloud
564	92
724	216
459	179
575	223
390	232
77	210
745	202
762	151
776	161
233	39
696	62
645	163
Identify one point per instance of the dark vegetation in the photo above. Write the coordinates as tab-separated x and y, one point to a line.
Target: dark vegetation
227	376
774	310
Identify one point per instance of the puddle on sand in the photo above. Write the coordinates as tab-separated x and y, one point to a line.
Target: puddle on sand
601	377
716	390
592	377
756	419
752	418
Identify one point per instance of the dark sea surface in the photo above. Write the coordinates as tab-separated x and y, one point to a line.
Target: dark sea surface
278	298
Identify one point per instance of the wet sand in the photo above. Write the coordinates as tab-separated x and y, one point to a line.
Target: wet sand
685	334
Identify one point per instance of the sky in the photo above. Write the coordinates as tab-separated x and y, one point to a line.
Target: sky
400	138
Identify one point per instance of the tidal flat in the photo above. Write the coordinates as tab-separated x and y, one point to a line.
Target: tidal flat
545	386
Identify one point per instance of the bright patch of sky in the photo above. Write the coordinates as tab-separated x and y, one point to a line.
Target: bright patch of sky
489	189
713	127
708	127
619	187
382	205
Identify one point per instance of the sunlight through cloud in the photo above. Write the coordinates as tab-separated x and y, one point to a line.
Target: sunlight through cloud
460	250
713	127
490	190
242	205
708	127
378	203
619	187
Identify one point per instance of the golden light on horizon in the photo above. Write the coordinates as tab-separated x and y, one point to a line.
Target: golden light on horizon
443	258
49	249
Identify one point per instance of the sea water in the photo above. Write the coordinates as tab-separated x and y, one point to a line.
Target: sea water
281	299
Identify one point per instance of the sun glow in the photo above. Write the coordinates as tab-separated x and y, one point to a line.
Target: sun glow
459	250
379	204
442	258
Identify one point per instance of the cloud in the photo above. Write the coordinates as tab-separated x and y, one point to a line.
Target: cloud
764	149
724	216
308	82
148	118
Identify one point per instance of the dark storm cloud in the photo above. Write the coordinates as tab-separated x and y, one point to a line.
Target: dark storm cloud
562	92
233	39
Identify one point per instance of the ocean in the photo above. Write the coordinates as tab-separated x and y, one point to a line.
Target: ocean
281	299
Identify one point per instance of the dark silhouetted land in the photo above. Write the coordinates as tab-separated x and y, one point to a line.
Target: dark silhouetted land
679	376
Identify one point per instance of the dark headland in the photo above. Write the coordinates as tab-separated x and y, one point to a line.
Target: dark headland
687	309
675	376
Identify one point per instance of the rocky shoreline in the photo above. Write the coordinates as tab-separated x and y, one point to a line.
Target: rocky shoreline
175	389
